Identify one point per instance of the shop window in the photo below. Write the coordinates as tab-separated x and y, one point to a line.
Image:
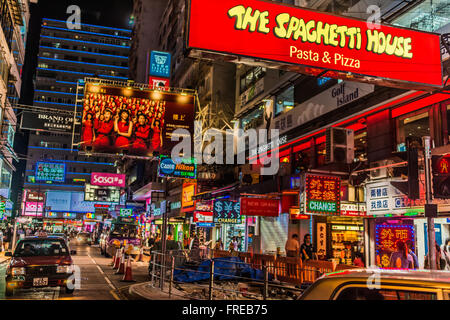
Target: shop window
254	119
361	145
285	101
362	293
412	125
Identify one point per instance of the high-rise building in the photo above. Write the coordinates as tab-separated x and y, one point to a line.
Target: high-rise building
14	18
66	56
146	16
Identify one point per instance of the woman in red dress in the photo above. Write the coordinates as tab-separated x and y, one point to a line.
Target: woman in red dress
142	134
123	128
104	126
157	141
88	129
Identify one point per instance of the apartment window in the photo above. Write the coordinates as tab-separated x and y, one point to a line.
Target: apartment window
251	77
285	101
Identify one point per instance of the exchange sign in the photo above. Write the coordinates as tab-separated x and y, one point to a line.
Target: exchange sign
386	238
139	122
49	171
226	211
323	194
310	42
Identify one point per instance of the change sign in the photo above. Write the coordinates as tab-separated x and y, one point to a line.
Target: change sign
323	194
226	211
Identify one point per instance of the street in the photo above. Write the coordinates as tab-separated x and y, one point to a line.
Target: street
98	281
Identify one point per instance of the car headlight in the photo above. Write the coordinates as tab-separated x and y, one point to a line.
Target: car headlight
64	269
18	271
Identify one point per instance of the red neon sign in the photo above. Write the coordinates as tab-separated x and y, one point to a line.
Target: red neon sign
323	194
310	41
386	238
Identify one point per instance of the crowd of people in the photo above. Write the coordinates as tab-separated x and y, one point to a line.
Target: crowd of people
117	123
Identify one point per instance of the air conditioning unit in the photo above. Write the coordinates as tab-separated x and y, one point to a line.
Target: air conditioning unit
340	145
382	171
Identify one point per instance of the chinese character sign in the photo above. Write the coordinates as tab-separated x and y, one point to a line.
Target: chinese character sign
48	171
160	64
321	239
323	194
226	211
386	238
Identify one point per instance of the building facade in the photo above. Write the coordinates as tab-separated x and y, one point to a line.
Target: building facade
15	16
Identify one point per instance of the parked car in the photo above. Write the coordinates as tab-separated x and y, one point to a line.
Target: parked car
380	284
41	261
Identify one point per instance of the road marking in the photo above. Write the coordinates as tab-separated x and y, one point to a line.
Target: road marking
104	275
114	295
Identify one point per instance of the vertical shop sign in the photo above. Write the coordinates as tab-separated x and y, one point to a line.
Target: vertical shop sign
321	239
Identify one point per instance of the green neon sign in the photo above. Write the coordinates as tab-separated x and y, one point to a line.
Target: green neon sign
322	206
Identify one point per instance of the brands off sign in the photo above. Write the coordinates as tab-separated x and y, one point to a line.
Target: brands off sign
108	179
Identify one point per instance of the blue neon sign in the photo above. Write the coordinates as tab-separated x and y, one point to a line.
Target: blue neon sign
160	64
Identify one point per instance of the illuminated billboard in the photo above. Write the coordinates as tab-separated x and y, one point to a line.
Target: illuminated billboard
133	121
310	42
101	194
323	194
178	168
49	171
108	179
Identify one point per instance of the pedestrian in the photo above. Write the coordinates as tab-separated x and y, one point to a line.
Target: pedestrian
218	245
7	238
440	262
410	246
307	250
358	261
446	253
1	240
194	248
292	246
401	259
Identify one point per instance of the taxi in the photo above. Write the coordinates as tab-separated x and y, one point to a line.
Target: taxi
380	284
40	261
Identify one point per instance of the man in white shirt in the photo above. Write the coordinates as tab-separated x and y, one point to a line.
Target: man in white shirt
292	246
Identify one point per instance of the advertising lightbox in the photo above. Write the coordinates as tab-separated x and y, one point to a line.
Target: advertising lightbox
108	179
309	42
50	171
160	63
178	168
135	121
101	194
323	194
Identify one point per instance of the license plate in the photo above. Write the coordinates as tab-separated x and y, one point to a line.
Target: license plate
39	282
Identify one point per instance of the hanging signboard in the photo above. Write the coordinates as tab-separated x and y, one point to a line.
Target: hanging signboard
260	207
160	63
294	214
50	122
177	168
226	211
323	194
308	41
187	194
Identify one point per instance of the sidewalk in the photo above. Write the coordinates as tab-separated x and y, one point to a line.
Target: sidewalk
3	259
144	291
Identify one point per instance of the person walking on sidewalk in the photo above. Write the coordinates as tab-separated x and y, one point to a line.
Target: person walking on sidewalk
1	240
410	246
401	259
292	248
195	248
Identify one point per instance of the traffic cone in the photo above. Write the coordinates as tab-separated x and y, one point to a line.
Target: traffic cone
140	257
118	258
121	269
128	277
114	259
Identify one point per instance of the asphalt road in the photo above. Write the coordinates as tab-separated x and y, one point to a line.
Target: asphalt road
97	280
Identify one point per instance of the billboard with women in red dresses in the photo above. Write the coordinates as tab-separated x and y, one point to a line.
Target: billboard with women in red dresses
133	121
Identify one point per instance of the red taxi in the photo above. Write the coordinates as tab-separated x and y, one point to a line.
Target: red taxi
41	261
